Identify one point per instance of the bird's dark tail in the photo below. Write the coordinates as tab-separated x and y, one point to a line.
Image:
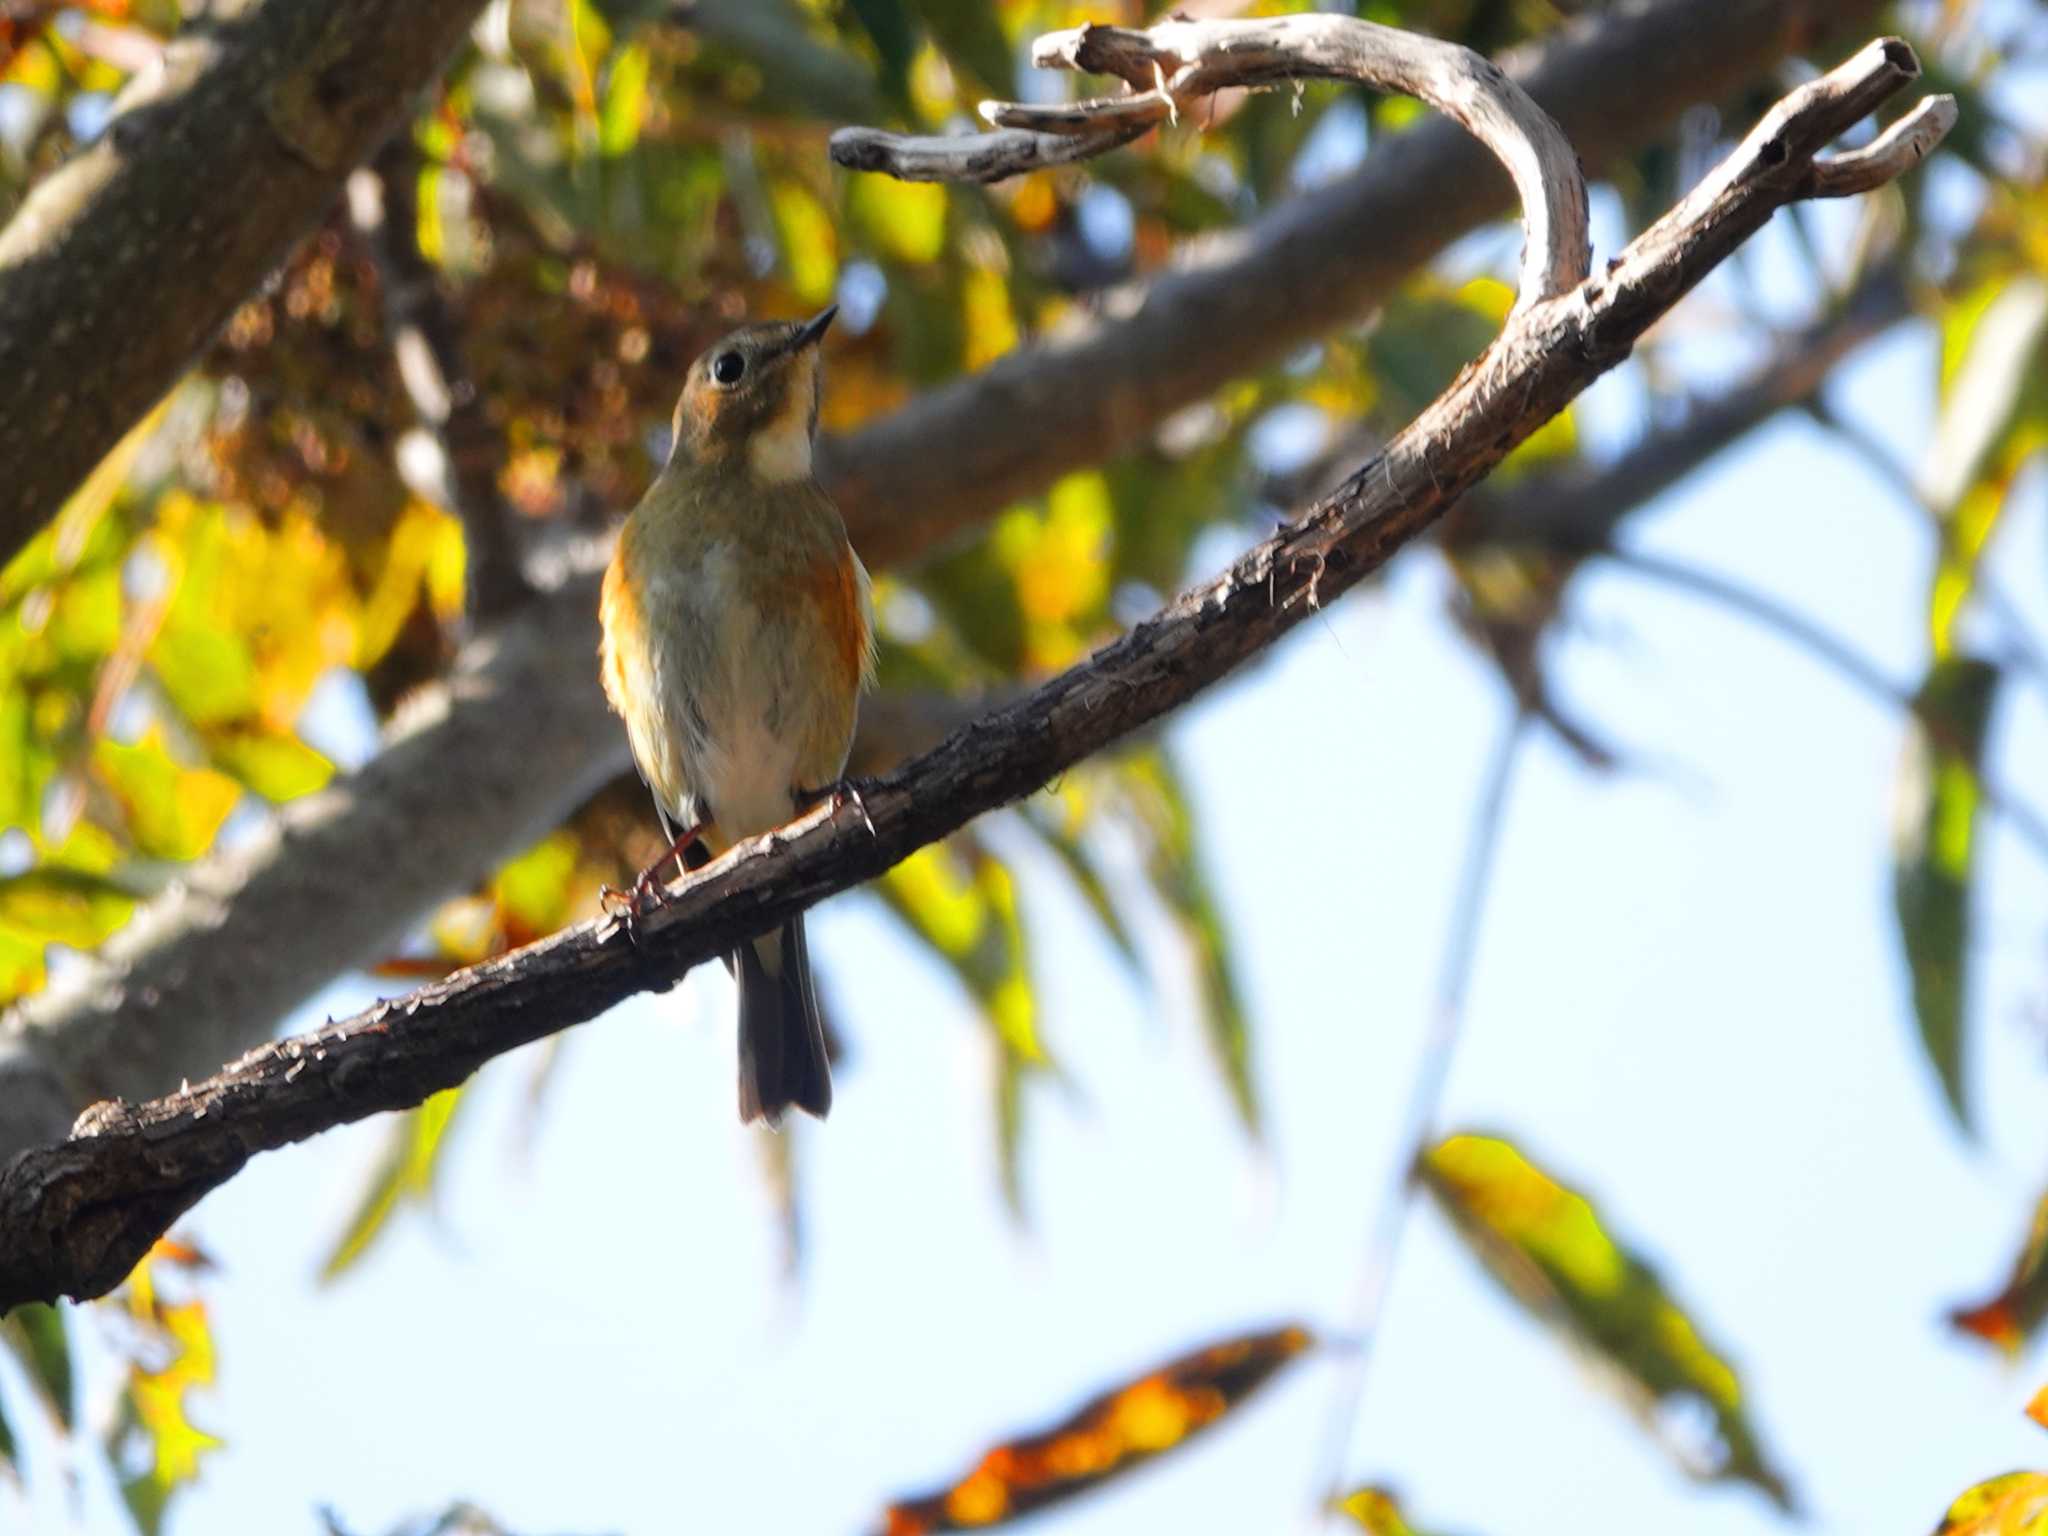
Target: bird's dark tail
782	1040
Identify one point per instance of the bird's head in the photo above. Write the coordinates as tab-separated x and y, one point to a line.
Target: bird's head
751	400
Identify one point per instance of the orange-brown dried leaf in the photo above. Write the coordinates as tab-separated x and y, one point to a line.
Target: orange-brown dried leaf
2007	1319
1104	1438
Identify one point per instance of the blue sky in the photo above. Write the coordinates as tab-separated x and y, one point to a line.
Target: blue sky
1687	1000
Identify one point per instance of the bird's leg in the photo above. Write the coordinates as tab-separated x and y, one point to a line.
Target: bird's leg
842	792
648	890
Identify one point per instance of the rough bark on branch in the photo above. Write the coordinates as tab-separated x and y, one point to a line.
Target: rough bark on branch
524	735
78	1214
122	264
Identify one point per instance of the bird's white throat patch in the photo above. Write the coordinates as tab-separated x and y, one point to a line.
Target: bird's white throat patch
781	451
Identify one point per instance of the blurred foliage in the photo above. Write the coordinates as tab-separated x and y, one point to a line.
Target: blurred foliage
2013	1505
1548	1247
159	1335
224	615
1379	1513
1104	1438
2014	1315
1937	837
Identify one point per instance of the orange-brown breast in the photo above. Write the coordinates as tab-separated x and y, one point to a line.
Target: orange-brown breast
618	610
834	590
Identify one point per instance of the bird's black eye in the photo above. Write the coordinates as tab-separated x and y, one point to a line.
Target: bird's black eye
727	367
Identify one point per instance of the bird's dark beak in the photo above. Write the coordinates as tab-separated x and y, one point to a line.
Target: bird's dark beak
814	329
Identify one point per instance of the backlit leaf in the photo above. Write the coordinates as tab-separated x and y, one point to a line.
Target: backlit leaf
208	672
404	1173
2011	1317
810	247
960	900
275	766
1061	832
906	220
2013	1505
1547	1245
1994	419
172	811
1104	1438
1936	839
1379	1512
157	1446
625	100
1173	865
63	906
34	1334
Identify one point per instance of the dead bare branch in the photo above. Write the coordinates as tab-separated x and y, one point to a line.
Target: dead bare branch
1177	63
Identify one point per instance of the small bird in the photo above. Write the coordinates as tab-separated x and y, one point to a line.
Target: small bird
738	635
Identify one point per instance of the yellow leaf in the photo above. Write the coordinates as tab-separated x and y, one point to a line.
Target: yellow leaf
991	324
810	249
905	219
173	811
2013	1505
277	767
534	889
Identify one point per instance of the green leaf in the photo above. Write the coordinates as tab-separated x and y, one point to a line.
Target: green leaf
54	905
1173	866
173	811
1937	816
1545	1244
209	672
1994	419
279	768
961	902
971	34
2013	1505
625	100
893	32
1060	835
405	1173
34	1332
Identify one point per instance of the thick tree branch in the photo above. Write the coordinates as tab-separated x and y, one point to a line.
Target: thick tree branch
522	736
1579	508
121	265
383	202
78	1214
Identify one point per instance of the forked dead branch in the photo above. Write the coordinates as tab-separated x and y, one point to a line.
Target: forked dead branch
75	1216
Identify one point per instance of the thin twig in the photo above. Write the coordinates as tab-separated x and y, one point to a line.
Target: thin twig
77	1214
1844	659
1382	1250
